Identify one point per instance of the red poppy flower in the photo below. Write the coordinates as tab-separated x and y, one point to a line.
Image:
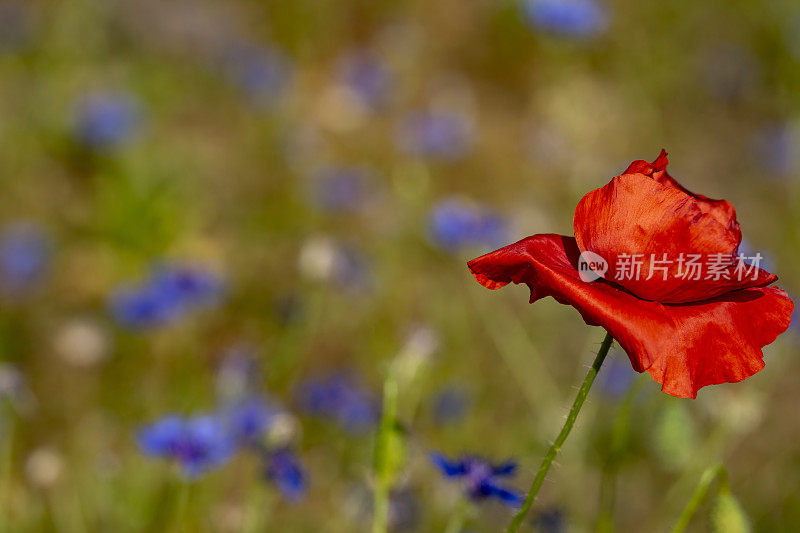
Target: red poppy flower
687	331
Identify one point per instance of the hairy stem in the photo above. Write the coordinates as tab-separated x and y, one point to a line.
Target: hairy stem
562	436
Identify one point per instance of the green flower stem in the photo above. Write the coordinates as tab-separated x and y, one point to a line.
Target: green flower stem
562	436
697	496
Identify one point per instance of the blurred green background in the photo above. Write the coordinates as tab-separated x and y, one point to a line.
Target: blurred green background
326	169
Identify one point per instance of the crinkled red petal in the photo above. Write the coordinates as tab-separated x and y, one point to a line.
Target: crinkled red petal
721	210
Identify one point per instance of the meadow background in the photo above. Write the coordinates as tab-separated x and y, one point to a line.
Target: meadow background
204	203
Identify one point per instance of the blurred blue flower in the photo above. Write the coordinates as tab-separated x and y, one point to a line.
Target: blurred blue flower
15	25
571	18
366	77
188	285
249	419
455	224
342	399
283	468
479	477
262	72
24	257
106	120
776	147
340	189
197	444
165	296
616	377
449	405
437	135
143	307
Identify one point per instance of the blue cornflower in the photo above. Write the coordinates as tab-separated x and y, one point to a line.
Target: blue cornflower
479	477
24	257
438	135
143	307
572	18
338	189
197	444
449	405
249	419
366	77
340	398
455	224
15	25
106	120
165	296
283	468
188	285
262	72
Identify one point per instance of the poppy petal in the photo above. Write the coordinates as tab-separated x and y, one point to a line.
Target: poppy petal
719	209
684	347
660	244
